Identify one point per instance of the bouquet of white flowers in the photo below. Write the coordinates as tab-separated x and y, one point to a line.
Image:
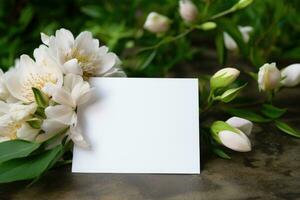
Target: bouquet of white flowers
39	101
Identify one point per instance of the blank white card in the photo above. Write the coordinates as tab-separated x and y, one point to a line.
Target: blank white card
140	125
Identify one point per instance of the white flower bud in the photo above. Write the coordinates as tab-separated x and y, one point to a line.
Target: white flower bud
235	141
157	23
230	44
268	77
242	124
291	75
223	77
242	4
188	11
230	136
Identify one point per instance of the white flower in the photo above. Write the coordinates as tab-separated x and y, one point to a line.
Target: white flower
13	123
74	92
81	55
268	77
157	23
235	141
4	94
28	74
224	77
232	133
291	75
242	124
188	11
230	44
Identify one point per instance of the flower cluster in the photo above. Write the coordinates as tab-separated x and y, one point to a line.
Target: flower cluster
40	96
188	11
159	24
234	132
270	78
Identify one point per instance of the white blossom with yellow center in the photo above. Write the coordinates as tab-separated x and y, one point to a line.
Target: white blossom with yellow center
29	73
82	55
13	123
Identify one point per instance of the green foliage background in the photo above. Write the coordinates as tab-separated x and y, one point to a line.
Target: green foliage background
118	24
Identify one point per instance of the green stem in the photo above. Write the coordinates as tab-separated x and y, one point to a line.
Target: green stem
210	101
221	14
270	97
254	103
206	8
167	40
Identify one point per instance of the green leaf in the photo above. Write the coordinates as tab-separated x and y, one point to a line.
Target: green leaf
92	11
272	111
218	126
221	50
148	60
231	94
221	153
16	149
29	167
35	123
294	54
232	29
256	57
247	114
40	98
287	128
40	112
26	16
253	75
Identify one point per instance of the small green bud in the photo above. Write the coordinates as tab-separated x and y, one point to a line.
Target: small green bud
41	99
242	4
208	26
223	78
231	94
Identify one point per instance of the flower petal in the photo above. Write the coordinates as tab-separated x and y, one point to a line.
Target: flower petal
61	113
26	132
64	39
4	139
70	80
51	126
291	75
81	92
235	141
76	136
13	84
72	66
19	112
115	72
106	63
45	38
85	42
242	124
4	108
230	44
63	97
